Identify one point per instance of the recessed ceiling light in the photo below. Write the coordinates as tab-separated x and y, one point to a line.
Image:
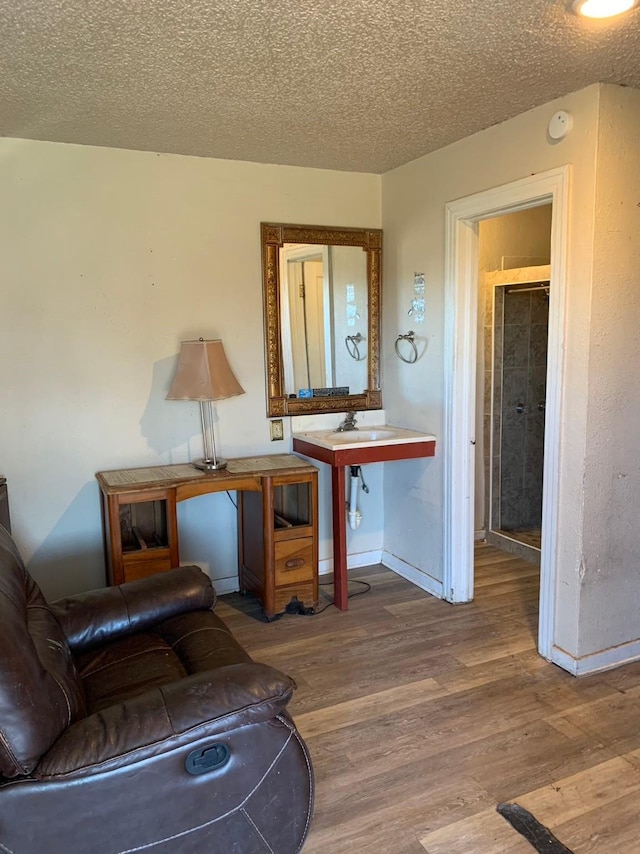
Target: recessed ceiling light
603	8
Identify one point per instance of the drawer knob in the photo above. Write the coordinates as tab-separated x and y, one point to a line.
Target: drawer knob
294	562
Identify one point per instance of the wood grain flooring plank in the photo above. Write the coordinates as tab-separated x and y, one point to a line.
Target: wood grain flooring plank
613	720
389	812
458	618
486	555
476	652
523	587
464	678
335	643
572	797
513	573
369	707
484	833
436	727
531	756
623	678
611	828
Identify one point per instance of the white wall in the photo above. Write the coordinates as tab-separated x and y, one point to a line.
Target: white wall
108	259
609	565
518	239
414	199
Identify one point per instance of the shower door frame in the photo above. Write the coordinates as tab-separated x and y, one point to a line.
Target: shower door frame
461	301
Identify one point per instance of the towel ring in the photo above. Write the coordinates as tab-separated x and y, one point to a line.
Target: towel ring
352	342
413	355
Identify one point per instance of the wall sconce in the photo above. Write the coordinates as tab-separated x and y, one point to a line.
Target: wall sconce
204	374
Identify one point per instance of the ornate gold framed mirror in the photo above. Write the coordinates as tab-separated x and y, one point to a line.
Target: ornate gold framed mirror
322	292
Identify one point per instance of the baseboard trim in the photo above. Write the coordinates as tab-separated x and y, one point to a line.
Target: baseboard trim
325	567
606	659
364	559
415	576
226	585
354	561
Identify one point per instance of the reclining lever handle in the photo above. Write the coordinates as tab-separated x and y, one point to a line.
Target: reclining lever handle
207	759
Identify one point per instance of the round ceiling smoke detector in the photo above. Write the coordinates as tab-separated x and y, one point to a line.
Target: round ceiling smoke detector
603	8
560	125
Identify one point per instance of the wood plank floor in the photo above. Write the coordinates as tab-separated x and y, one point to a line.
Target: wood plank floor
421	716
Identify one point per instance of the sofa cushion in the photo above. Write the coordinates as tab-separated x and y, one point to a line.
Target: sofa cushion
99	616
194	642
40	692
126	668
202	641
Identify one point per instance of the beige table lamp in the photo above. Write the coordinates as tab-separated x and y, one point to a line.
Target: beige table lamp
204	374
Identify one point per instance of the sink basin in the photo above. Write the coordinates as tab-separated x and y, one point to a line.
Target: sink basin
380	437
377	434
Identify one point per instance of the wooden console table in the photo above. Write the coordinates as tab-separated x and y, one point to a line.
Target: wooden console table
277	523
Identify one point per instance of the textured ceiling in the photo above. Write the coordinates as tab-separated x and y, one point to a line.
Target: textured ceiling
362	85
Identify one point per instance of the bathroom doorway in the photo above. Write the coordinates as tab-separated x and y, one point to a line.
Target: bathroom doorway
463	218
514	277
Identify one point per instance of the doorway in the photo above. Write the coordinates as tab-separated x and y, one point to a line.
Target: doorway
513	315
461	290
307	311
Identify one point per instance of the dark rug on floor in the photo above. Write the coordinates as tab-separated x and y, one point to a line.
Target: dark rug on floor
535	833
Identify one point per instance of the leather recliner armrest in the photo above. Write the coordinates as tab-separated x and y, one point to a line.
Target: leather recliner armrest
163	719
111	612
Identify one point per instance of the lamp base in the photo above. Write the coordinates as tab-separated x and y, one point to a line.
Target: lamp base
210	465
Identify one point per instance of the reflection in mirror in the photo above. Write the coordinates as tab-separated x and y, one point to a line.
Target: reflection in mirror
322	318
324	312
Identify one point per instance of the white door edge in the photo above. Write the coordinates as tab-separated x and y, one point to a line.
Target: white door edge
461	308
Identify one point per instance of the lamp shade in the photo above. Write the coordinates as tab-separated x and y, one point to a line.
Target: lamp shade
203	373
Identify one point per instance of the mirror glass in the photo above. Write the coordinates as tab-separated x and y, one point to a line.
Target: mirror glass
322	318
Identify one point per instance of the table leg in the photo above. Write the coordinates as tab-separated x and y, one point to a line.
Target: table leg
340	585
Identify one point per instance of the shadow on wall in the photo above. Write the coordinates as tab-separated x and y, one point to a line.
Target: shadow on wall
168	425
70	559
207	526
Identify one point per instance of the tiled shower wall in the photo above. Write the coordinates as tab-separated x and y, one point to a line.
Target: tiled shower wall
519	377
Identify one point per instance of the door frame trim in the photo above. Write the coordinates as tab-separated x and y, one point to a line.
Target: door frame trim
460	341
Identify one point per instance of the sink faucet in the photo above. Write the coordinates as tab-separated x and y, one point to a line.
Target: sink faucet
349	423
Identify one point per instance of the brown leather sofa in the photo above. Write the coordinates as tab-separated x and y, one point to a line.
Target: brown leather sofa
132	721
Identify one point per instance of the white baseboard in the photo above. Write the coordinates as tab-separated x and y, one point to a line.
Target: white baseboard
479	535
230	584
353	561
325	566
226	585
364	558
596	662
415	576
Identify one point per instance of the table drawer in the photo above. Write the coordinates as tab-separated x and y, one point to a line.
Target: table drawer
294	561
145	563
